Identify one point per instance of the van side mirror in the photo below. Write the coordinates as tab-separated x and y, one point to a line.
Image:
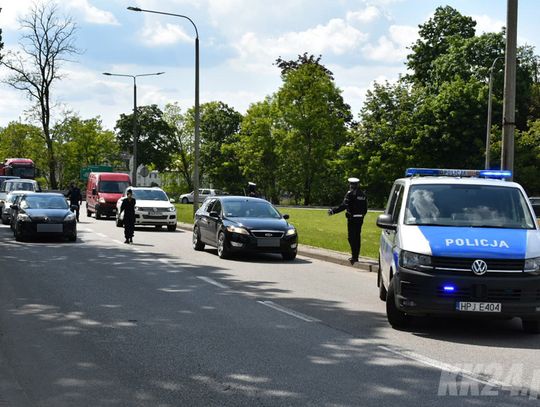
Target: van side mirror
384	221
94	191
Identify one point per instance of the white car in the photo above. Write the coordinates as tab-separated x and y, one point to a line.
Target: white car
203	194
153	207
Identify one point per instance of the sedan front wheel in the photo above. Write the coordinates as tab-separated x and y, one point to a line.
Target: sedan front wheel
222	246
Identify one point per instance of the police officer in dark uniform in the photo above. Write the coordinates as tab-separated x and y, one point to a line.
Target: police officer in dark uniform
75	198
128	207
355	203
252	190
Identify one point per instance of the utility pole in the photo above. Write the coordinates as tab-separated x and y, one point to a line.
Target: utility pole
509	102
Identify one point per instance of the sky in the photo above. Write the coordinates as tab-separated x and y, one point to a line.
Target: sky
360	41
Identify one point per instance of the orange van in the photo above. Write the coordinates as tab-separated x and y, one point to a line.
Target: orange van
103	190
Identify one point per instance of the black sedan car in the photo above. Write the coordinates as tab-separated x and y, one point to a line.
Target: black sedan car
44	214
239	223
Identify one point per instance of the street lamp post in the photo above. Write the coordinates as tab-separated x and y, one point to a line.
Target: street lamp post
135	119
488	126
197	110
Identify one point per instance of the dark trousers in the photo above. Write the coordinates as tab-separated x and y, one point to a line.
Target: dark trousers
354	229
77	210
129	228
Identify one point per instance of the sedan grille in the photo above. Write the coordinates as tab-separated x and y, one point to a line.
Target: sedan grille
267	233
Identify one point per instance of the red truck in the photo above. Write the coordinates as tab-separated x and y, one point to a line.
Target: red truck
19	167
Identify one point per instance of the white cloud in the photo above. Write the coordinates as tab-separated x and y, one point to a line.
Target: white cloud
336	37
486	24
92	14
156	33
9	17
369	14
392	48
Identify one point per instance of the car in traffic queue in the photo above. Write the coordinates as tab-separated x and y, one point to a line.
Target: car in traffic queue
203	194
535	202
243	224
153	208
459	243
11	199
44	214
103	189
16	184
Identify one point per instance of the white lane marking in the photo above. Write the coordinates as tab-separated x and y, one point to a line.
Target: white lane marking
118	242
288	311
424	360
164	261
213	282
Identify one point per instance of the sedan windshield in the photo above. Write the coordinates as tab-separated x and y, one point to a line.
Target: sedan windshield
467	205
149	195
44	202
249	209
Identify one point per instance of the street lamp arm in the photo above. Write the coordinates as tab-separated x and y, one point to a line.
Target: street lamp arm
167	14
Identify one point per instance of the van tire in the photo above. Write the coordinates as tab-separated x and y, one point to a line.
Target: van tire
98	214
382	290
88	213
531	326
397	318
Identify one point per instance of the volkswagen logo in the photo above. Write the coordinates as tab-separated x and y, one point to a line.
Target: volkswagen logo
268	234
479	267
45	219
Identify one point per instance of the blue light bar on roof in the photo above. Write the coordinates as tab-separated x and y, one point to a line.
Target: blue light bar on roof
439	172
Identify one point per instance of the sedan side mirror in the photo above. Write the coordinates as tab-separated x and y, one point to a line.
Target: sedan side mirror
214	215
285	216
384	221
172	200
14	206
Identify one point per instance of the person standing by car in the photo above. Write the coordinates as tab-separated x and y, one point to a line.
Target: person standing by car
75	198
252	190
355	203
128	207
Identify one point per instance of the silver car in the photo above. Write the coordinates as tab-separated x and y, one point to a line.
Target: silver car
203	194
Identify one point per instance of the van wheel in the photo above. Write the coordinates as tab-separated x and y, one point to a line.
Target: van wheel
398	319
531	326
98	214
382	291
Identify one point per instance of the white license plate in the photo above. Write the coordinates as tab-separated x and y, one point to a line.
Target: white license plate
49	228
478	306
268	242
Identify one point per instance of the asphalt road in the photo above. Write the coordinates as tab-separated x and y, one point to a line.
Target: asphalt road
101	323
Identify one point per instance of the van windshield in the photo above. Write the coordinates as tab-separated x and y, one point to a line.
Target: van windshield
113	187
467	205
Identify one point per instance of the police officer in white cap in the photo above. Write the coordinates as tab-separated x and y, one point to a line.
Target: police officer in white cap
355	203
252	190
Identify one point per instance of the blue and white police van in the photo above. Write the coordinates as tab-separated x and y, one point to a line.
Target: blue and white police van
459	242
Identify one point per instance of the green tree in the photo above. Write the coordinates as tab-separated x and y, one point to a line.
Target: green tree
312	127
46	42
82	143
436	36
24	140
157	141
219	127
182	159
257	148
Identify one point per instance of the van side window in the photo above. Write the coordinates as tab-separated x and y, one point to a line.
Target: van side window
393	200
399	203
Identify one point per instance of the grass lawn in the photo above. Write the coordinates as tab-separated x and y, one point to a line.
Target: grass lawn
316	228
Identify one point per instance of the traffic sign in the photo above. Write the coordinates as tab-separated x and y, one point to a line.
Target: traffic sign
93	168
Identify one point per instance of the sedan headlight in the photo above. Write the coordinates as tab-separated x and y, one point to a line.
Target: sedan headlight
70	217
532	265
235	229
290	232
23	217
101	200
415	261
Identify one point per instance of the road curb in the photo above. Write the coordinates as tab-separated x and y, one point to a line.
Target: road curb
364	264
